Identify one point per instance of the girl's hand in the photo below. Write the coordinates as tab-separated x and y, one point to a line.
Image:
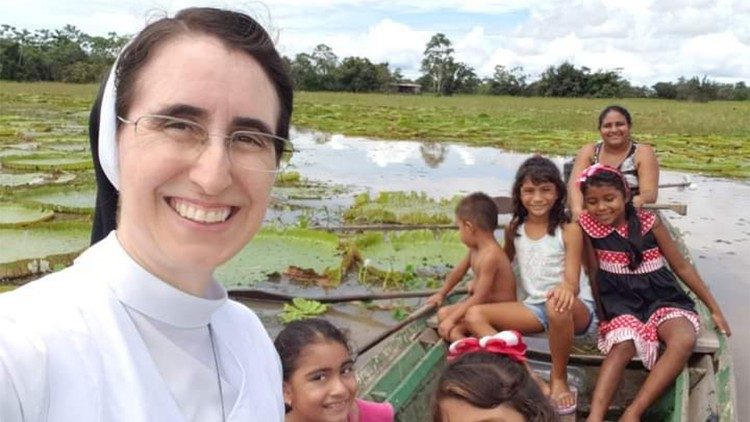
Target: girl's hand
562	297
637	201
721	324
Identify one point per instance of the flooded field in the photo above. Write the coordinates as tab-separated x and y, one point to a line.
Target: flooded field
336	171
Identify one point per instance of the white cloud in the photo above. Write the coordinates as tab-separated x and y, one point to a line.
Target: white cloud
651	40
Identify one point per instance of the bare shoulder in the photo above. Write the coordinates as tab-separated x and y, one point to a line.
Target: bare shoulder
645	151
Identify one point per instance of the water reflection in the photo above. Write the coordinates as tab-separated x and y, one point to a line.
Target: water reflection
438	169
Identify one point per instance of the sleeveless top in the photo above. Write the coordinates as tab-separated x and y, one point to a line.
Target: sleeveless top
626	167
541	265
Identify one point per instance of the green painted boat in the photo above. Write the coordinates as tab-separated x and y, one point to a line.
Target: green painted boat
405	368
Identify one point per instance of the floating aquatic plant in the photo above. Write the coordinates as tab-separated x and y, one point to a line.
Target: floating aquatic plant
401	208
301	308
17	215
303	254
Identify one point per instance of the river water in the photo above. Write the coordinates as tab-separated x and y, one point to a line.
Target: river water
717	226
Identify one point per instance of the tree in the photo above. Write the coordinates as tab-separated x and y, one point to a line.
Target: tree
508	82
438	62
563	81
325	63
665	90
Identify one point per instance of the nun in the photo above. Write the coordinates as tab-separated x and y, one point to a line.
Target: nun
189	129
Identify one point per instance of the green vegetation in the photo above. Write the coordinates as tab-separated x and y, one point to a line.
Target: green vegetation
710	138
15	215
401	208
41	248
302	254
409	259
301	308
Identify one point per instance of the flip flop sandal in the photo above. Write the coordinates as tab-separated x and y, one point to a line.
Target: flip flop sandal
567	410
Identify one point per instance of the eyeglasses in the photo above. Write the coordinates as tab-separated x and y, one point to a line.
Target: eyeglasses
248	149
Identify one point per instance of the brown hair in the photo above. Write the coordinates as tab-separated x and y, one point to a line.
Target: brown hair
236	30
487	380
478	209
538	170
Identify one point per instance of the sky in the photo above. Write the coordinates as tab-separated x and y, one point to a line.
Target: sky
647	40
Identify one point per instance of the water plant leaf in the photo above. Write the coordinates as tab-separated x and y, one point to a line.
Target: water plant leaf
301	308
401	208
407	259
45	162
62	199
16	215
41	248
274	250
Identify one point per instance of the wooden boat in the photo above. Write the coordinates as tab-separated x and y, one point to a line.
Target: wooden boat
405	368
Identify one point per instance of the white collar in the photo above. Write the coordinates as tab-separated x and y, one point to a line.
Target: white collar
146	293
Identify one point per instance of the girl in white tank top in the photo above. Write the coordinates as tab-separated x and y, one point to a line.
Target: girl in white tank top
548	251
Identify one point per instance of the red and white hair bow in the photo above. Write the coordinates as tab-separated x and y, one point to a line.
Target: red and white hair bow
598	168
509	343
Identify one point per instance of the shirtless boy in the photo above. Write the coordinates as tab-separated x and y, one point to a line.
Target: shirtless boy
476	217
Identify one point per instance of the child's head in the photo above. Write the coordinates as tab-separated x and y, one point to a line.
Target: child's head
489	386
319	381
539	190
478	212
606	196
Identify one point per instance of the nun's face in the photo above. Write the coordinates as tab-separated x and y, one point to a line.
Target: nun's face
182	216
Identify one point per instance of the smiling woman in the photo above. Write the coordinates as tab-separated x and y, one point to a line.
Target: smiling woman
618	149
189	130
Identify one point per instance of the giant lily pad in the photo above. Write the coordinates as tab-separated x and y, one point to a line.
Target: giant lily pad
311	254
48	162
392	255
401	207
15	215
42	248
63	199
15	180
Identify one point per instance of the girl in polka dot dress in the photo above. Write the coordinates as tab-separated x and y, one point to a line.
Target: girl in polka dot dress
639	300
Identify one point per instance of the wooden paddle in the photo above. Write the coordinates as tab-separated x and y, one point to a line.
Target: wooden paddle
419	313
266	295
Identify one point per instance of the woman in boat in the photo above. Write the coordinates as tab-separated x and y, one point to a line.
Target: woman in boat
319	381
193	127
487	380
640	301
618	149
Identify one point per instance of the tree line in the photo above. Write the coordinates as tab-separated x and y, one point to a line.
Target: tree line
69	55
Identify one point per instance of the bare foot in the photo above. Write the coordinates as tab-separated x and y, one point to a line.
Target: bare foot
561	395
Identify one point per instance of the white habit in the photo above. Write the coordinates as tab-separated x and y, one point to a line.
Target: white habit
104	340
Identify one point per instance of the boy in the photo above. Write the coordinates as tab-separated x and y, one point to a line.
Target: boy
476	217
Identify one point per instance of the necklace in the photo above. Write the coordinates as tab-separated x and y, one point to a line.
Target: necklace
218	375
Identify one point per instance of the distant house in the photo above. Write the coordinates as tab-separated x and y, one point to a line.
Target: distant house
405	88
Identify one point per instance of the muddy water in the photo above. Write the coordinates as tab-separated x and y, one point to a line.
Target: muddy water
717	226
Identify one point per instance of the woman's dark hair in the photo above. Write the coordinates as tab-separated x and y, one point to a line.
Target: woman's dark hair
294	337
487	380
537	169
236	30
620	109
478	209
635	239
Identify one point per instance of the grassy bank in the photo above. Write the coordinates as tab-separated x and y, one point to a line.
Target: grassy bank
711	138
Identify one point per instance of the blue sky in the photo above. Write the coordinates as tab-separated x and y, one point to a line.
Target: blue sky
649	40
